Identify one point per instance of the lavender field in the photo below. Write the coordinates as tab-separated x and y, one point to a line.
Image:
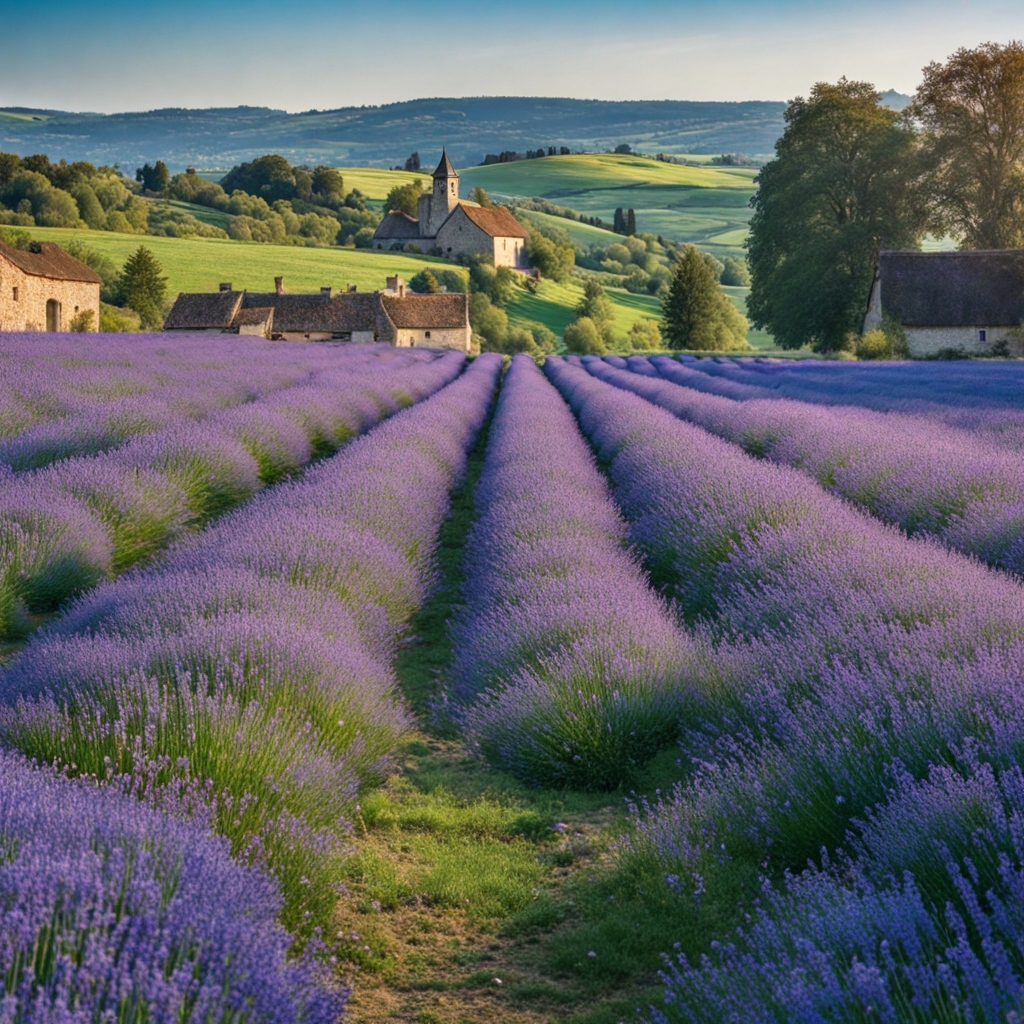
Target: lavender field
347	682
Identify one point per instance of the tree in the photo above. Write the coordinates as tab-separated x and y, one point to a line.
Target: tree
644	336
583	338
553	259
972	112
143	287
735	272
425	283
619	222
480	197
270	177
630	222
489	323
155	178
404	198
845	182
413	162
328	185
594	304
623	148
696	314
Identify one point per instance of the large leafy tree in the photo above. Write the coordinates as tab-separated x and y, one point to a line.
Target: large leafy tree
843	185
696	314
972	112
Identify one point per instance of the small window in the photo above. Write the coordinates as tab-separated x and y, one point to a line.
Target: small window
982	335
427	334
14	293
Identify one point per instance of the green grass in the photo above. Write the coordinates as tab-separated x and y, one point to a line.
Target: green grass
581	234
704	205
554	303
200	264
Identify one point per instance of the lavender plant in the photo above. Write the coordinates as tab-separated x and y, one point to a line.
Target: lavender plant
114	911
257	654
568	669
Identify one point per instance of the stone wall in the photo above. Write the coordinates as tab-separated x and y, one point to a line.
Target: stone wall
461	237
510	252
457	338
928	341
28	311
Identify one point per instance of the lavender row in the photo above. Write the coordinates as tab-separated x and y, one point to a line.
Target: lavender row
66	395
568	669
250	672
865	660
68	526
115	911
919	475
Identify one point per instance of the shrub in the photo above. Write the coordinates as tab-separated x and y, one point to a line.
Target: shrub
83	322
874	345
582	337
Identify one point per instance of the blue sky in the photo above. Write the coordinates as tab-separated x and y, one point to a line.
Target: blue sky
78	55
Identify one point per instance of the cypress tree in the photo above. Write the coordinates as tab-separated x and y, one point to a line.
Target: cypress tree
619	222
630	222
143	286
695	313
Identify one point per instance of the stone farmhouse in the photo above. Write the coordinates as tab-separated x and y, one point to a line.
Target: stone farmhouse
966	301
392	315
43	288
451	227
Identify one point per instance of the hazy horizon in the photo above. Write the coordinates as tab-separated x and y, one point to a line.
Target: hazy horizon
331	54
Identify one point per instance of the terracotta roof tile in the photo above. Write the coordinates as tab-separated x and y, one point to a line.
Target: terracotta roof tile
50	261
495	220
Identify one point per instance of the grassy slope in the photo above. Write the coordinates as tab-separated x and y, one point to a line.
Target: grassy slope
200	264
705	205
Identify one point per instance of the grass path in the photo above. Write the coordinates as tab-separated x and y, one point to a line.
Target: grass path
471	899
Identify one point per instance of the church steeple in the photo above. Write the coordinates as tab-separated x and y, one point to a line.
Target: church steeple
445	196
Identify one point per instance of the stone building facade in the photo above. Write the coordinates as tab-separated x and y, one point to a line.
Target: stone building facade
451	227
950	301
44	288
391	315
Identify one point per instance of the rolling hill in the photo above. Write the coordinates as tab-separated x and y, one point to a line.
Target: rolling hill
384	136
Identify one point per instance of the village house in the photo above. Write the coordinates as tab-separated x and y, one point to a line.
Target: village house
950	301
392	315
43	288
451	227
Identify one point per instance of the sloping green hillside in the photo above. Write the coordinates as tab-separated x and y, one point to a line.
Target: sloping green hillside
708	206
200	264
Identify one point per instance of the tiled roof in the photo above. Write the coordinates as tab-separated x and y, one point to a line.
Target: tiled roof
49	261
428	311
255	316
495	220
953	289
398	225
340	314
202	311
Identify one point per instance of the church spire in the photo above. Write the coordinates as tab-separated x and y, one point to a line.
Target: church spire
444	168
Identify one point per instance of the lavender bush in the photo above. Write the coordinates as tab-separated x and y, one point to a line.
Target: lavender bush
568	669
114	911
254	661
145	493
923	476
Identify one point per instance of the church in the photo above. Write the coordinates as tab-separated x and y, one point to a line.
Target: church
450	227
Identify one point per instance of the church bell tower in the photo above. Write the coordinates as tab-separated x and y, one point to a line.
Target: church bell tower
445	196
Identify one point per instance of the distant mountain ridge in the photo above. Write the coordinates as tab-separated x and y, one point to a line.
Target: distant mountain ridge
384	136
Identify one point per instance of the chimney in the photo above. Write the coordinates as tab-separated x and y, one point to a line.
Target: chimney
279	285
325	292
225	286
352	288
392	283
401	289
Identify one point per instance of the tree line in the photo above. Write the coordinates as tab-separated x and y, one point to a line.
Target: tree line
851	177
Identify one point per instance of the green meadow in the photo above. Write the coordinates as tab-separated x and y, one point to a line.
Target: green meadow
200	264
708	206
